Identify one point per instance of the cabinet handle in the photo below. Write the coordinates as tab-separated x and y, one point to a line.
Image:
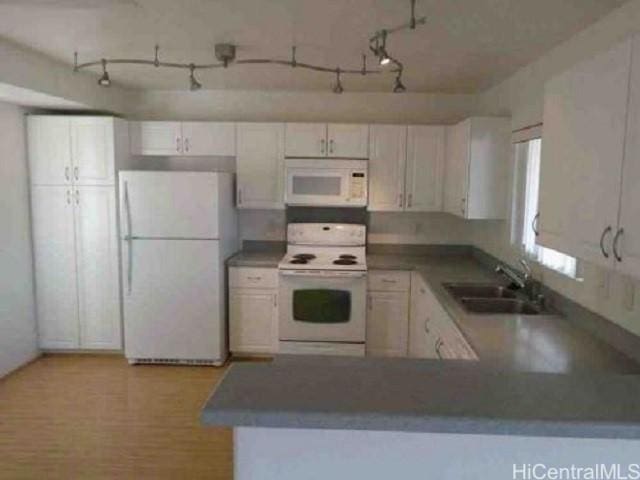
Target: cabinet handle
410	200
386	280
186	145
76	171
616	240
331	144
438	345
77	197
534	224
178	144
426	325
322	146
254	278
400	200
463	202
66	173
68	197
239	196
606	231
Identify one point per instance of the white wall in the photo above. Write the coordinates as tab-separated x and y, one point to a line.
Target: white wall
18	337
521	96
300	106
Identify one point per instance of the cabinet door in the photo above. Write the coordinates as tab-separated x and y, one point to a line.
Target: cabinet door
421	334
49	150
253	320
97	266
156	138
92	151
629	239
209	138
348	140
425	168
458	144
387	324
260	165
388	148
582	151
55	267
306	140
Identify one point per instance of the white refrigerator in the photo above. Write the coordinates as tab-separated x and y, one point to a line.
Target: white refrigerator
177	229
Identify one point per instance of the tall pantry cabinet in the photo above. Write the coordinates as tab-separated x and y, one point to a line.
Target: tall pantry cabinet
73	162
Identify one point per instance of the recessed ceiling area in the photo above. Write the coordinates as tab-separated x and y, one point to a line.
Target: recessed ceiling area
465	46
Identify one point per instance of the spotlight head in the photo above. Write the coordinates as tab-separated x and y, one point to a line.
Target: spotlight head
194	84
337	88
104	80
398	87
384	60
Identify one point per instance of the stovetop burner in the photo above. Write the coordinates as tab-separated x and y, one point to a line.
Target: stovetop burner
344	261
304	256
299	261
346	256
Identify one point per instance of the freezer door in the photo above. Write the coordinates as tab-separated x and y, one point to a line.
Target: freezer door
173	305
169	204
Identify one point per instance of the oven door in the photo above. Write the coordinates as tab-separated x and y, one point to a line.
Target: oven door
319	306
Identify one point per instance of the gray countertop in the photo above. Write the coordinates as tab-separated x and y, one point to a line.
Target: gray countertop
537	375
267	259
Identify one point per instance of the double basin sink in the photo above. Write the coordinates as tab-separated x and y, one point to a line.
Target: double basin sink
489	298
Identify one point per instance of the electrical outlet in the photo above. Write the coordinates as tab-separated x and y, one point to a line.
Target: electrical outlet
629	295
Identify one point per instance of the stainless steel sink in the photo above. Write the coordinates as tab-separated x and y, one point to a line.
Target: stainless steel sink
479	290
499	305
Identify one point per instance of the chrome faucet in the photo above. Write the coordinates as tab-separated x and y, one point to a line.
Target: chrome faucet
522	281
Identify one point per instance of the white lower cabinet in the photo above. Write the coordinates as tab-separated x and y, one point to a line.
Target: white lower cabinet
432	333
76	267
253	310
387	314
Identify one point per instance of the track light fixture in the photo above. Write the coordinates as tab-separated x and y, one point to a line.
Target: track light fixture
225	54
337	88
104	80
398	87
194	84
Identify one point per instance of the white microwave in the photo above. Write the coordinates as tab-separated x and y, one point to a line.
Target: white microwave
326	183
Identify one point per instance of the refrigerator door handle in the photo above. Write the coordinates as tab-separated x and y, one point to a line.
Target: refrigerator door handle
128	238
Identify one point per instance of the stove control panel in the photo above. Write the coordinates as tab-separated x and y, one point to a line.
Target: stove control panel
326	234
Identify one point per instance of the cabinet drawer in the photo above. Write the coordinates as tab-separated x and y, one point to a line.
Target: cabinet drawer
247	277
388	281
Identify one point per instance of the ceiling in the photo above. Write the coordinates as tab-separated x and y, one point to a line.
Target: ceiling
466	45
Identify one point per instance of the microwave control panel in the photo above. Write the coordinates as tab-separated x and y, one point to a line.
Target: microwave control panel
358	185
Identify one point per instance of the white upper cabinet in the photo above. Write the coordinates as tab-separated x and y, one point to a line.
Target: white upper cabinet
628	248
55	266
156	138
425	168
477	166
74	150
183	138
92	150
49	146
209	138
97	268
260	165
348	140
335	140
585	112
306	140
388	152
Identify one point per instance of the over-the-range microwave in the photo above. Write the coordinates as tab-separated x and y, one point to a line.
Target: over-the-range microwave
326	183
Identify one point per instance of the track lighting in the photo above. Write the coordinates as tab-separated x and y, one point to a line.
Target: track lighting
337	88
225	56
104	80
194	84
398	87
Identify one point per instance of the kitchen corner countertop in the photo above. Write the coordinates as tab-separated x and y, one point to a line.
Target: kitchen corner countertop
537	376
268	259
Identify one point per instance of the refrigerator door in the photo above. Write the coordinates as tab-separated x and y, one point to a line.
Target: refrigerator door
180	205
173	305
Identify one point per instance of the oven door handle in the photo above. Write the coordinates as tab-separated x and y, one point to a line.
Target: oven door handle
322	274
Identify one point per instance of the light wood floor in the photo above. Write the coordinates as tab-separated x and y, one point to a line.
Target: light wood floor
86	417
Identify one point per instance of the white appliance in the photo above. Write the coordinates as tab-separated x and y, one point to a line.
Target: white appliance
323	289
321	182
177	229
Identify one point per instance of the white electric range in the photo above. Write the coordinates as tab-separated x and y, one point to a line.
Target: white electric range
323	289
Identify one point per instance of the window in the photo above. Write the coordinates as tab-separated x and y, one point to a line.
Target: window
525	209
